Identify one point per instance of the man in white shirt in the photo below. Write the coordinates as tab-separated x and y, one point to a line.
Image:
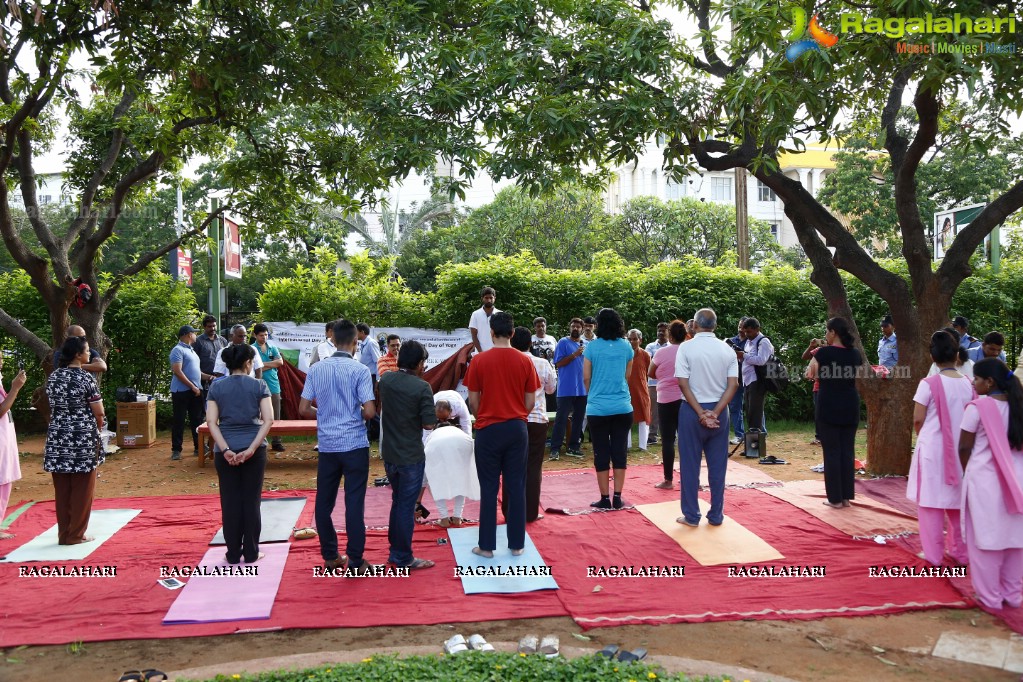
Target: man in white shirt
707	371
479	323
651	349
326	348
757	351
238	338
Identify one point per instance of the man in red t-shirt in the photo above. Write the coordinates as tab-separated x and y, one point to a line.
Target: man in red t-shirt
502	383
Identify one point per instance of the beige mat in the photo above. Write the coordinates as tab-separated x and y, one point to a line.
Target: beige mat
729	543
866	517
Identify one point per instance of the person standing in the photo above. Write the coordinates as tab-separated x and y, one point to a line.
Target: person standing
240	414
10	468
406	410
542	345
479	322
738	344
991	451
369	352
389	361
238	338
73	448
990	348
669	398
835	365
568	359
536	426
343	390
887	345
325	348
639	393
208	347
589	325
502	385
607	365
272	360
186	391
95	366
756	352
962	326
708	375
935	475
657	344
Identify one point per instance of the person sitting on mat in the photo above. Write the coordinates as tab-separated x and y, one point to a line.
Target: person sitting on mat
239	413
502	385
406	408
73	447
10	469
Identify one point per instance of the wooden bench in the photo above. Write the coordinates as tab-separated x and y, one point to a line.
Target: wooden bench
283	427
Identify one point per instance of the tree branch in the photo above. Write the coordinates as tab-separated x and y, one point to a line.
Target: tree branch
893	141
18	331
914	242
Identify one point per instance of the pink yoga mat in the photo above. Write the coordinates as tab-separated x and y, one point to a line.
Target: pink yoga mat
214	599
378	508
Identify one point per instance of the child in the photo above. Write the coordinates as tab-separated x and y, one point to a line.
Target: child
991	450
935	476
10	470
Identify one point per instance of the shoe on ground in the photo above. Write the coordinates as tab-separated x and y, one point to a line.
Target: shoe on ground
278	447
616	502
602	503
815	441
175	455
735	441
576	454
554	456
652	440
195	453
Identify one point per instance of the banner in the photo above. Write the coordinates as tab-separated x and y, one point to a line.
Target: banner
232	250
948	224
184	266
297	341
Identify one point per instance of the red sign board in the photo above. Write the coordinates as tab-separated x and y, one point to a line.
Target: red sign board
185	266
232	250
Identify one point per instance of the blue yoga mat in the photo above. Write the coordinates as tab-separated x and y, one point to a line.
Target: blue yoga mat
502	574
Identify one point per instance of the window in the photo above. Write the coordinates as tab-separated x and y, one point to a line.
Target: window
765	193
721	189
675	190
45	199
774	231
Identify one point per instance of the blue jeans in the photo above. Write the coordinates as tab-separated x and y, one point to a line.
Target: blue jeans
501	451
693	441
576	406
354	466
406	483
735	410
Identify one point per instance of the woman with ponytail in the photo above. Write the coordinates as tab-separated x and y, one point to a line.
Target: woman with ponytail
991	451
935	476
838	410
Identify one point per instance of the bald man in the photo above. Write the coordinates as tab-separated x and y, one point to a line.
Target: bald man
96	364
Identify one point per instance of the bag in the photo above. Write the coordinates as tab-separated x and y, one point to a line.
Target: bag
125	394
773	373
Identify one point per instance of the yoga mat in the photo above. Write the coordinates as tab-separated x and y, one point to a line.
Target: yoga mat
377	514
729	543
865	518
890	490
214	599
103	523
462	542
13	516
279	517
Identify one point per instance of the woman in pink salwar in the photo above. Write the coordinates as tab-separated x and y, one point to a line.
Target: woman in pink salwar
935	476
10	470
991	450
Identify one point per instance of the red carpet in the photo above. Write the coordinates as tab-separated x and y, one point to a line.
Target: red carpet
890	490
378	509
707	593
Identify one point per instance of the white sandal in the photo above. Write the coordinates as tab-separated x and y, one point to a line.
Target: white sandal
529	644
477	643
549	646
455	645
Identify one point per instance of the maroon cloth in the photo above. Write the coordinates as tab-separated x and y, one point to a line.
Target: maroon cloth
446	375
292	382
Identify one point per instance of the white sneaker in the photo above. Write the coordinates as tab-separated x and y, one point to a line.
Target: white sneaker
735	441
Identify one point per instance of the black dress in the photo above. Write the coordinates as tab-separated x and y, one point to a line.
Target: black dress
838	415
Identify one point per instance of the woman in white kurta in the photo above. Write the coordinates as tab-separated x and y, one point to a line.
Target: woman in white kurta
991	448
10	469
935	476
451	472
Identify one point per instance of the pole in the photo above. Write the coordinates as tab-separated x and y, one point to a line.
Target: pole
741	219
214	271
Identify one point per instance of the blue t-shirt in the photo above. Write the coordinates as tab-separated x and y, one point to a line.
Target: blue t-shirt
269	375
184	354
609	389
570	377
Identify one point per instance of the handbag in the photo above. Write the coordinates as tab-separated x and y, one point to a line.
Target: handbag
125	394
773	373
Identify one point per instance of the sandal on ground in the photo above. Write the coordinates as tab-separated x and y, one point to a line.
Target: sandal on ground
418	563
305	533
529	644
132	676
456	521
444	522
477	643
631	656
549	646
6	536
664	485
455	645
364	569
771	459
154	675
609	651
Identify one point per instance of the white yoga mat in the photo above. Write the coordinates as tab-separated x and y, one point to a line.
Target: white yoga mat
462	542
278	516
103	523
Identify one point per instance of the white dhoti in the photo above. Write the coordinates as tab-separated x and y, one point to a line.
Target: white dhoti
450	465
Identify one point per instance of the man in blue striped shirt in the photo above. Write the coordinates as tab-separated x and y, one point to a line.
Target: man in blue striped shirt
343	390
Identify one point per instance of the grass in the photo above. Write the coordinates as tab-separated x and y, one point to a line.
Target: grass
470	667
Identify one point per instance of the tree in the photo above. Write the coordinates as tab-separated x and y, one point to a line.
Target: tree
649	231
398	225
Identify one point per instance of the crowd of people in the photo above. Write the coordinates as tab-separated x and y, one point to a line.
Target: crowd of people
685	390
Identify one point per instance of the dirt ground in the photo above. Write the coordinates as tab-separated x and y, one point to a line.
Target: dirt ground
883	648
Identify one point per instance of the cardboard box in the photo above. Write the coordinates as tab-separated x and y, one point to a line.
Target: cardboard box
136	424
